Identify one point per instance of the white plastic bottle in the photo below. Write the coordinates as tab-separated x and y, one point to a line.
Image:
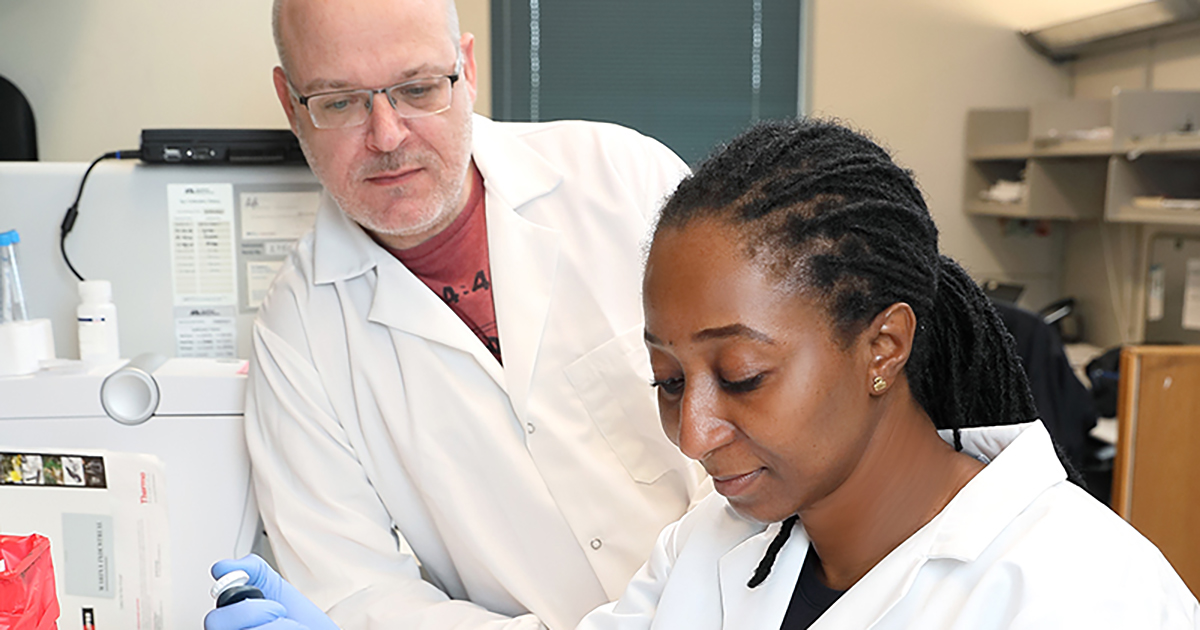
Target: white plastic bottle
97	323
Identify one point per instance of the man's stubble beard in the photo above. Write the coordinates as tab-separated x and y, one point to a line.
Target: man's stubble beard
444	199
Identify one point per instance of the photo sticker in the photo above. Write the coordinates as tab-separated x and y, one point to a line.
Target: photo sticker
43	470
72	469
10	468
52	472
93	472
31	470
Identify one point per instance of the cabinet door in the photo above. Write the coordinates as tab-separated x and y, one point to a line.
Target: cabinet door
1156	480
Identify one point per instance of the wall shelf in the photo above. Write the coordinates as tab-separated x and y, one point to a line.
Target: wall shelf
999	209
1090	159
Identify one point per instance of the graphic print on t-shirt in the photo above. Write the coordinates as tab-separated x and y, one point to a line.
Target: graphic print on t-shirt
487	332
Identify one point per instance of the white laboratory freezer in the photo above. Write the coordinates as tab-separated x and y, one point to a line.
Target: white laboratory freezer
193	444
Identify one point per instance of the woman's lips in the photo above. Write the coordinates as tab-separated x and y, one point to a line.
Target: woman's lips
733	485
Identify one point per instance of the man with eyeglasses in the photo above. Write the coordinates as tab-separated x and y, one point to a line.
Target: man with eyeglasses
449	412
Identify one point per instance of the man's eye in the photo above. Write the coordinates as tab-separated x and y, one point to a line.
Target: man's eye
339	104
670	386
743	386
417	91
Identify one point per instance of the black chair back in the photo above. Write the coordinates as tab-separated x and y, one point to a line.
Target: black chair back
18	136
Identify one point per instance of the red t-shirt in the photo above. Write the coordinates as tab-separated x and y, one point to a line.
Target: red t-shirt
454	263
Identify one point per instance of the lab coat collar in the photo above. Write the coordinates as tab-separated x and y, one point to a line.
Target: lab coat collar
523	254
512	172
1022	464
765	605
341	248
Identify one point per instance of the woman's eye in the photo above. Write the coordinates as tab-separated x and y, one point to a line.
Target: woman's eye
743	386
670	386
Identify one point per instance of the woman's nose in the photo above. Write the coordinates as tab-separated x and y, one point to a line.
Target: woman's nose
702	430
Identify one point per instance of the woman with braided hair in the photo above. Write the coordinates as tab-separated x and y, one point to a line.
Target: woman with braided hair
867	425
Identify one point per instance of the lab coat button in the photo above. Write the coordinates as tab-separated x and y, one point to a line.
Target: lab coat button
530	428
597	543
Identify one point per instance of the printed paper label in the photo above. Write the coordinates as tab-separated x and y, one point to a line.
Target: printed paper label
1191	296
203	257
1156	293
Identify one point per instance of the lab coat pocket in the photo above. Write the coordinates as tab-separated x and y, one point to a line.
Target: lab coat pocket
613	381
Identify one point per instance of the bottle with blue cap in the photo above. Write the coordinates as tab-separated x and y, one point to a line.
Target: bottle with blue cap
12	297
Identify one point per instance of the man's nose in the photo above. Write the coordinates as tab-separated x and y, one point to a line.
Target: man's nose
386	130
702	430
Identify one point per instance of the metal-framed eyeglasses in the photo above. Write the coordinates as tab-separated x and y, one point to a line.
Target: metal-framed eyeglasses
415	98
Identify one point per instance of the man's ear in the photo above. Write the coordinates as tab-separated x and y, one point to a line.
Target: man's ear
285	97
890	338
469	71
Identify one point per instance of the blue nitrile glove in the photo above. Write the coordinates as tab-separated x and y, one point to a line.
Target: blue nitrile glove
283	609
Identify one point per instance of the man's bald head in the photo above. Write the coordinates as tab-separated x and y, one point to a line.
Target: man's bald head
279	8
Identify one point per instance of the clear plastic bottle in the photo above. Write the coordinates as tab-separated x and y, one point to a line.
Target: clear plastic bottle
12	297
97	315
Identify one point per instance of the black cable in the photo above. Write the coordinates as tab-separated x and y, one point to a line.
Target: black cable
68	222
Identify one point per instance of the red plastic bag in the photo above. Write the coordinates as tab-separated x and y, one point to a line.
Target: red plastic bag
27	597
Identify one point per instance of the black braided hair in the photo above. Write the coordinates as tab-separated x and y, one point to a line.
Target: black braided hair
764	566
834	217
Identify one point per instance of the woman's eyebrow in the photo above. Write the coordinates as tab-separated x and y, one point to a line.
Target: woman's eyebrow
732	330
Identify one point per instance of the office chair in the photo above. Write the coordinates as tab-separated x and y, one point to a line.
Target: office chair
18	137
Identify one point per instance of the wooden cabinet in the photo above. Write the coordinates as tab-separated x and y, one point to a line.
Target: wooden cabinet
1156	478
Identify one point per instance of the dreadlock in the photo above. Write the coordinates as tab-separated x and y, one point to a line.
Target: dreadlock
834	217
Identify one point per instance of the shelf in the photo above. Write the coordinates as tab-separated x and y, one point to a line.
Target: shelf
1075	148
1152	176
1089	158
1182	146
1132	214
1151	122
997	209
1014	151
1055	128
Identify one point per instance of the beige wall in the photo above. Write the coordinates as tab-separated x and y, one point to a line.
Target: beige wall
99	71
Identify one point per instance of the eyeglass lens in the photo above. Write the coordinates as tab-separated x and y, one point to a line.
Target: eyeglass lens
411	99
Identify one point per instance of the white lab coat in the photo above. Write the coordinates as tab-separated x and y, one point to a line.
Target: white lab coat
1018	547
378	423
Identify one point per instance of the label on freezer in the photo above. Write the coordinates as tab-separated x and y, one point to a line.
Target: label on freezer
203	252
105	514
206	332
1156	293
1191	296
282	216
259	274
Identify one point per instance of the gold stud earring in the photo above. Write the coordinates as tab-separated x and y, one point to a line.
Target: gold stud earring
878	384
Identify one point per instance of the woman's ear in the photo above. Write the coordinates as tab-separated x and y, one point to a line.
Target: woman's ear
890	338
